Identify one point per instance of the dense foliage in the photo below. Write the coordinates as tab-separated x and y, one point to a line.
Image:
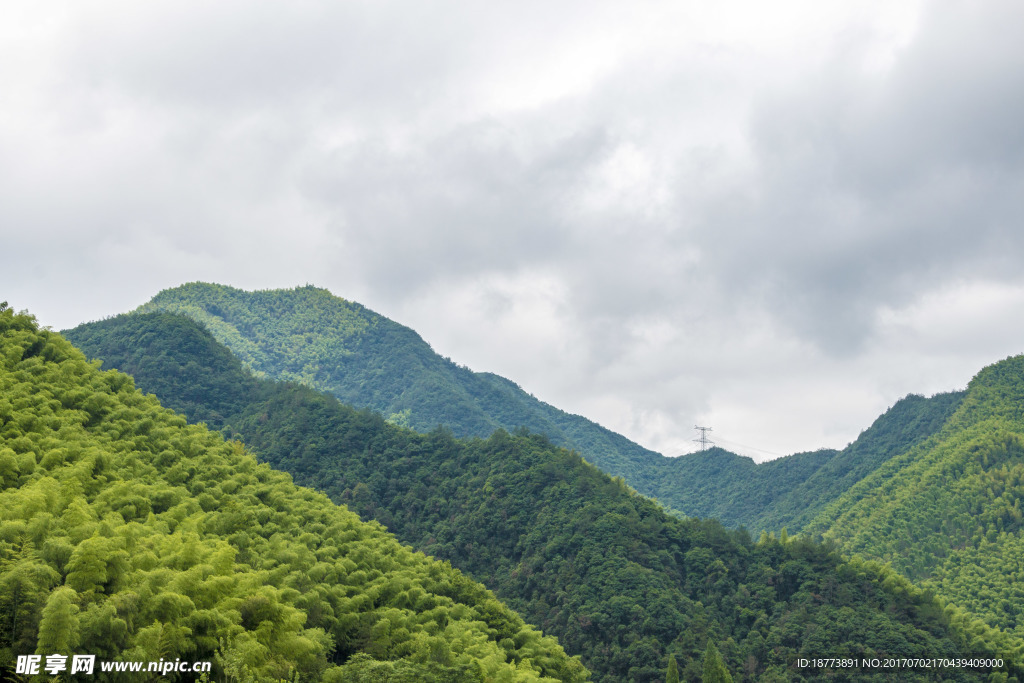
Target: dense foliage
948	511
909	422
790	491
128	534
619	581
732	488
310	336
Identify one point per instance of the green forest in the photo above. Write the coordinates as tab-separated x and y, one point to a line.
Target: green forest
619	581
947	512
791	491
310	336
129	534
930	487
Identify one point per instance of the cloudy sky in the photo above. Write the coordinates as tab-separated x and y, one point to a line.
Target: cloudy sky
773	219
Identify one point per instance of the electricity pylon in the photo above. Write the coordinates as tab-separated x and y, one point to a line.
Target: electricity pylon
704	441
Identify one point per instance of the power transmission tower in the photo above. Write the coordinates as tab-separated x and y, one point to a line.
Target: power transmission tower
704	441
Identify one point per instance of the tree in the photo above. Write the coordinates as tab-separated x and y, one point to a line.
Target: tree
58	630
672	676
23	586
714	667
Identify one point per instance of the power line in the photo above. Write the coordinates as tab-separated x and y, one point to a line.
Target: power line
705	442
754	448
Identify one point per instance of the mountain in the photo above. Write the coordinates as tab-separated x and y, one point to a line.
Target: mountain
732	488
310	336
911	421
790	491
934	488
129	535
947	511
619	581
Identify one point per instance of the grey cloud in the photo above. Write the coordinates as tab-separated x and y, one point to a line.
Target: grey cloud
237	54
690	204
870	192
461	203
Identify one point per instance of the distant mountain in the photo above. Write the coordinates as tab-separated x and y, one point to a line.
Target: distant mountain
732	488
129	535
948	510
619	581
310	336
840	495
790	491
911	421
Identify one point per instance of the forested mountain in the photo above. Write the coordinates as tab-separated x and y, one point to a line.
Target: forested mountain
948	510
619	581
933	487
910	421
790	491
310	336
732	488
129	535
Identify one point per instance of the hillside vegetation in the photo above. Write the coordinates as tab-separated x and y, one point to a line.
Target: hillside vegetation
310	336
788	492
733	488
618	580
948	510
130	535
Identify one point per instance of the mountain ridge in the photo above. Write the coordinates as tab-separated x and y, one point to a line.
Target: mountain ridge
128	534
789	491
610	573
383	365
948	510
307	334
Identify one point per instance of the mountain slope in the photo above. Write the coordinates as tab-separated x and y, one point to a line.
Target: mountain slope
620	582
948	511
310	336
732	488
790	491
127	534
910	421
366	360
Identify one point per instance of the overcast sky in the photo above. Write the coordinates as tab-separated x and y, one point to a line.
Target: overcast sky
773	219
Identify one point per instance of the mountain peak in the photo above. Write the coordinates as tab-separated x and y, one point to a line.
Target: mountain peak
311	336
997	391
